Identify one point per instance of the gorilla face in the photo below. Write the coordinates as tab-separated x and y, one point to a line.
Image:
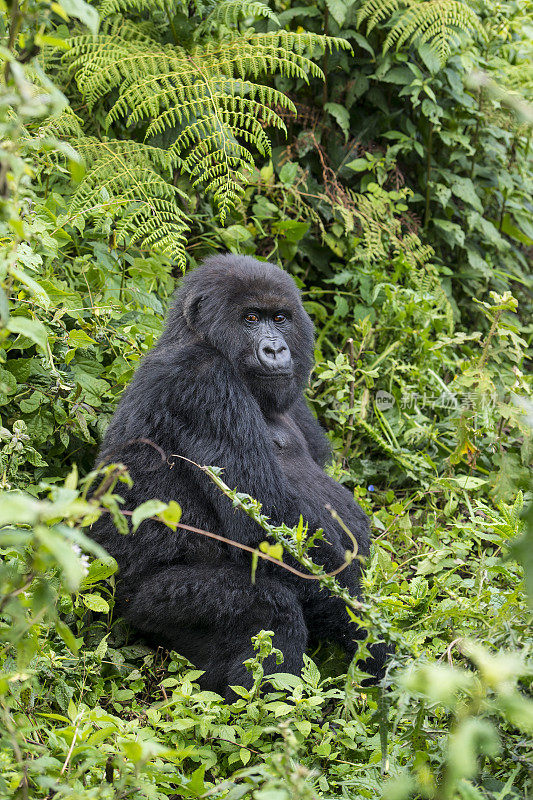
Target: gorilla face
266	361
251	312
268	354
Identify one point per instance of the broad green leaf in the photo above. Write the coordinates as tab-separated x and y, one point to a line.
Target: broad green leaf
465	190
151	508
468	482
338	10
288	173
17	507
359	164
66	634
95	603
35	288
341	115
453	232
8	385
30	328
99	571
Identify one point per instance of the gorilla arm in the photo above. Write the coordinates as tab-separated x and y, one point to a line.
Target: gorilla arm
192	403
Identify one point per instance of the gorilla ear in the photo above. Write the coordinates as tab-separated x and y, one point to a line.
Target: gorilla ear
191	308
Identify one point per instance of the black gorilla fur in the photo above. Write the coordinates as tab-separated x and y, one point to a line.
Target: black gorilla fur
200	394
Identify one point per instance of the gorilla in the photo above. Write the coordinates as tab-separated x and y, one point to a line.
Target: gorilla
224	387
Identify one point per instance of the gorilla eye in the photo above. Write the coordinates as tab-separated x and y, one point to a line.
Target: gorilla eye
251	318
280	318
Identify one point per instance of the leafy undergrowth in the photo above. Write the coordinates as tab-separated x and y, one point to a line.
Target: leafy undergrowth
93	713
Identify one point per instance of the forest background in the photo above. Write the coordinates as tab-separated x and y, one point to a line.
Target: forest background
380	151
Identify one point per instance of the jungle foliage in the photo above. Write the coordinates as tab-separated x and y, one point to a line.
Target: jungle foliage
380	150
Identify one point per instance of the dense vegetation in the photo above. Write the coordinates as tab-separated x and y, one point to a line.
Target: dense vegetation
380	150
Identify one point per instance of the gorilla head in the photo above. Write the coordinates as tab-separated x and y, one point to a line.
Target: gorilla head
251	313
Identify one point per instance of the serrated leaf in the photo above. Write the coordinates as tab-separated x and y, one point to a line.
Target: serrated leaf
95	603
465	190
101	650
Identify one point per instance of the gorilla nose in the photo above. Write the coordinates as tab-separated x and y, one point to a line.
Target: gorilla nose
274	354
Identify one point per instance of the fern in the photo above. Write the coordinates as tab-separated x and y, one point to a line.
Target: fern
230	12
127	175
205	98
438	23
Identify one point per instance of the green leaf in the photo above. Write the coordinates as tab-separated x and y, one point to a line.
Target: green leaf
99	571
35	288
171	515
61	549
359	164
30	328
293	230
338	11
66	634
288	173
454	233
101	650
341	115
80	339
17	508
151	508
272	550
430	58
465	190
403	76
8	385
95	603
196	783
468	482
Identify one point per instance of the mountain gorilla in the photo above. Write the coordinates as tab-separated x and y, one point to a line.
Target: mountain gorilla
224	386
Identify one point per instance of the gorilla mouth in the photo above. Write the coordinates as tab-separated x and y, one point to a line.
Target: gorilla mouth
273	374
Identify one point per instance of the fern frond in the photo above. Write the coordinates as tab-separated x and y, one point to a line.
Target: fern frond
229	12
125	173
203	95
141	7
66	125
438	23
377	11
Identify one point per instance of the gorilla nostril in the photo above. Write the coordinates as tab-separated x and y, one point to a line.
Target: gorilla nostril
272	351
274	354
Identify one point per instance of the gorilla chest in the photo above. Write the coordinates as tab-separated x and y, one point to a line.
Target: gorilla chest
290	446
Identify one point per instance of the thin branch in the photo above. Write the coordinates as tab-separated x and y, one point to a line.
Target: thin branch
248	549
71	748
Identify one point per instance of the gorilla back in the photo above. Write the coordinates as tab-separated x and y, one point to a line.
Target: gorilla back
224	386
